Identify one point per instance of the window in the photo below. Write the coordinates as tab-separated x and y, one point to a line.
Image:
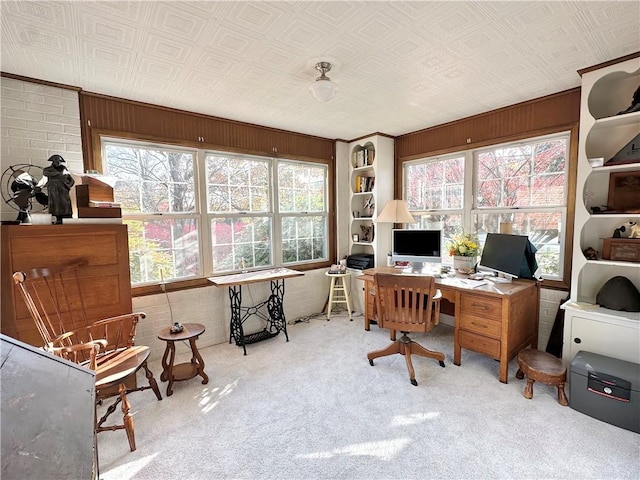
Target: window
434	191
519	187
192	213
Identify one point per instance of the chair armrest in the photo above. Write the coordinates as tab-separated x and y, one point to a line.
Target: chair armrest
81	353
136	317
438	296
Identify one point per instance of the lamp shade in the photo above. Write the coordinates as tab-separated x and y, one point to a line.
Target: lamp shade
395	211
323	90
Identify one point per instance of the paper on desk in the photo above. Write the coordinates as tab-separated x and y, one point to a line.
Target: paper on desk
474	283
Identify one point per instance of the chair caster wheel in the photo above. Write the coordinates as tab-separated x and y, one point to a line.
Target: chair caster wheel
414	382
441	363
371	362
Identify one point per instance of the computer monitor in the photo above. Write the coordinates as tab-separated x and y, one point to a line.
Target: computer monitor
416	246
511	255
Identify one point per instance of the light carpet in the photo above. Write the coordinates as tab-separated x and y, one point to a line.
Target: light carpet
313	408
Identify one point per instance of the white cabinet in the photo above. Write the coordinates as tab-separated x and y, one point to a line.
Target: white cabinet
605	92
371	186
601	331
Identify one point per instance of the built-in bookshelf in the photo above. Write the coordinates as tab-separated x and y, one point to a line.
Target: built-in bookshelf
605	129
371	184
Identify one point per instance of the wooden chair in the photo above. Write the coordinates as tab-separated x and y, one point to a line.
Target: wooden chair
408	304
55	301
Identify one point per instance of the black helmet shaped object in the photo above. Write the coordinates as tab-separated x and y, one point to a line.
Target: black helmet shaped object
56	158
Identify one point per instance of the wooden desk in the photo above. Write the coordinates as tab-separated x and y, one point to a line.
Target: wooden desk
275	322
497	320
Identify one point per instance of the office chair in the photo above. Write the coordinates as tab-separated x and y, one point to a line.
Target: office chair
408	304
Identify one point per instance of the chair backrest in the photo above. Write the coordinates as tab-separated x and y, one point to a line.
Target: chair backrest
406	303
55	300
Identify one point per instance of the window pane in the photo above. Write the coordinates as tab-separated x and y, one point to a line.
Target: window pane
241	243
435	184
169	246
303	239
542	228
151	180
532	174
301	187
237	184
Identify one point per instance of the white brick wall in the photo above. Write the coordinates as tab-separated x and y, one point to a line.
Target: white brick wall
38	121
549	303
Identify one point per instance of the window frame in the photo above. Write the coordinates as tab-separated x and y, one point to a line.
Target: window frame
469	209
203	217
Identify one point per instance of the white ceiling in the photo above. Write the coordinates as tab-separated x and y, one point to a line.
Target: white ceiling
400	66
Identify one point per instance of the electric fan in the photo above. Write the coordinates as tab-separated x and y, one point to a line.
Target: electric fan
20	187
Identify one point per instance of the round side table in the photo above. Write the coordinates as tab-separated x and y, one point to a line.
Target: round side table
183	371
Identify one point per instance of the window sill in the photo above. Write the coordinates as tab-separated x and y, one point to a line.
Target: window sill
174	286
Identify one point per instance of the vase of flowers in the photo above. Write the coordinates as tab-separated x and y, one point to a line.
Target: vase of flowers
464	249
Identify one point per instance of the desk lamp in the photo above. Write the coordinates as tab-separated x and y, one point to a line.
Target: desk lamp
395	211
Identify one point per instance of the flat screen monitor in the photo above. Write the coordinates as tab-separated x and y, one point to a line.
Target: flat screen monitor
511	255
416	246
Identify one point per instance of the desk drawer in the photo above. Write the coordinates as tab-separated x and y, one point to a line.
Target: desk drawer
484	326
481	306
480	344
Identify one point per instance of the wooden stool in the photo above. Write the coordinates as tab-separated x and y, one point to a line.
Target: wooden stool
338	292
543	367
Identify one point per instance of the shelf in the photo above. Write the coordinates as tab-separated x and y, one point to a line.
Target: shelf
617	121
603	133
377	152
584	306
627	167
614	263
613	91
613	215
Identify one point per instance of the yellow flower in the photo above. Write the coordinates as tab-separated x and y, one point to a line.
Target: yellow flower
463	244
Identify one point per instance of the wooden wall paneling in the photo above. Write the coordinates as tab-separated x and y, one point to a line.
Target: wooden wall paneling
151	122
106	283
492	127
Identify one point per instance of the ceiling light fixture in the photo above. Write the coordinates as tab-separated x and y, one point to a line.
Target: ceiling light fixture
323	89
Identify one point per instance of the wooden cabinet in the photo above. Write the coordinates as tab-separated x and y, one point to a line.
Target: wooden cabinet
106	282
497	321
606	91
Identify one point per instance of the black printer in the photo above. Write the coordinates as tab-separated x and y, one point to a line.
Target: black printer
360	261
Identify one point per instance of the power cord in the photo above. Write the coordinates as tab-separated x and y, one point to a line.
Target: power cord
163	287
